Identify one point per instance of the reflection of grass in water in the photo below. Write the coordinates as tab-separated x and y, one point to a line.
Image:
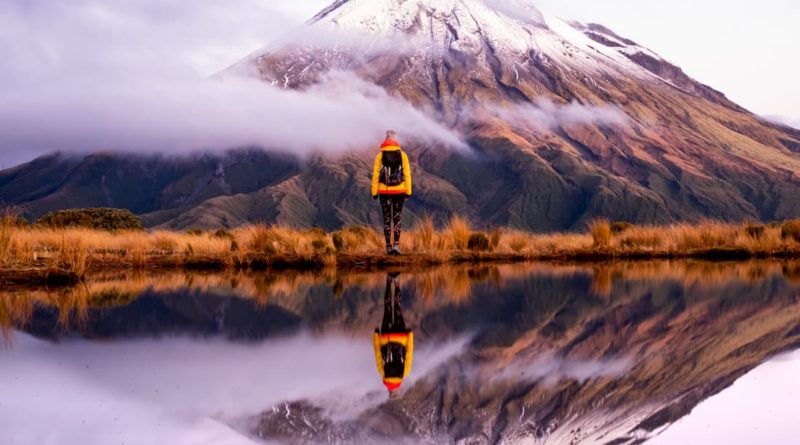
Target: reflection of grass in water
433	287
16	311
110	298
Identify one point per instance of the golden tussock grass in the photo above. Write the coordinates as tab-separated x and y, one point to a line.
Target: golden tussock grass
78	251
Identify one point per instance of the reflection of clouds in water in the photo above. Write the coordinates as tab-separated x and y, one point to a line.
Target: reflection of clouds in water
553	369
172	391
760	408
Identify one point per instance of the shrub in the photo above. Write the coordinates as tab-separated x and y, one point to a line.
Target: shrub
99	218
618	227
754	231
478	242
601	233
791	230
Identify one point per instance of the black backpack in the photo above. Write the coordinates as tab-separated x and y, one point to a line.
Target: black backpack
392	168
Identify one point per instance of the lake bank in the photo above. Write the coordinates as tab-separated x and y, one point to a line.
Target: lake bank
56	256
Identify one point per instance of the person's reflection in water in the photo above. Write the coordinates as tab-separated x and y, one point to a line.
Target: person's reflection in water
393	341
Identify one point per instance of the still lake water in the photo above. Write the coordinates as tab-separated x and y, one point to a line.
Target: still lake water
675	352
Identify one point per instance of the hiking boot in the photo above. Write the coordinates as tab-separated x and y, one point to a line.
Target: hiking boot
395	251
389	250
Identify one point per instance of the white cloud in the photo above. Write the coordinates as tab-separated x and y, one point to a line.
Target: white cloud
784	120
341	113
552	369
133	75
522	10
545	115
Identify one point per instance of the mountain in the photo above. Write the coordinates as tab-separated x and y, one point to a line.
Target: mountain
565	122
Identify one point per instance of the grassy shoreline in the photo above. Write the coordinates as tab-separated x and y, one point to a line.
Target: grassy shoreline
48	255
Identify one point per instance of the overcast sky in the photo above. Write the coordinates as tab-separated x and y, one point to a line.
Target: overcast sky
85	50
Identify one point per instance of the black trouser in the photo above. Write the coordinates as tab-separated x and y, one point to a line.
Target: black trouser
392	311
392	206
393	354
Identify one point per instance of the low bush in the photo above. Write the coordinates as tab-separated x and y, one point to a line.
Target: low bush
478	242
99	218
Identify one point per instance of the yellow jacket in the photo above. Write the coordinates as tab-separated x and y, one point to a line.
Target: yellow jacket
404	339
378	188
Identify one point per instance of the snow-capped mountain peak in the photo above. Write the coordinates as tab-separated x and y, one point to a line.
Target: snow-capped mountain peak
510	27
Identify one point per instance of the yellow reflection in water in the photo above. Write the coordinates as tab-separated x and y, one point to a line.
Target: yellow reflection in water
432	288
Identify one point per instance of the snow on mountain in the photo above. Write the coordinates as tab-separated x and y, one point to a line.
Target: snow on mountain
570	122
514	30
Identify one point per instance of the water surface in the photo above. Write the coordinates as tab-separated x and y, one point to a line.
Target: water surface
603	353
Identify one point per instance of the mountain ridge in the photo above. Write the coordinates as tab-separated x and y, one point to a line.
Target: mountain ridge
684	152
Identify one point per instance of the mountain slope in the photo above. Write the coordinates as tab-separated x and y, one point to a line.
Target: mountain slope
566	122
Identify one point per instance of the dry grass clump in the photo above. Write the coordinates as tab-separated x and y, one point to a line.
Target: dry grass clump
458	231
276	240
755	231
642	238
705	235
424	237
601	233
791	230
618	227
165	242
515	241
358	240
6	233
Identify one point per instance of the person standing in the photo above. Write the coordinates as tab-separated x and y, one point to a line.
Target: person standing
391	183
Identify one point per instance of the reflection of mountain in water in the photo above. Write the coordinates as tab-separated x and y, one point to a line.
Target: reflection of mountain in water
606	354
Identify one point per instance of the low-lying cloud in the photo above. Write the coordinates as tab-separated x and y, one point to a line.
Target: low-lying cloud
545	115
340	113
522	10
135	76
552	369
